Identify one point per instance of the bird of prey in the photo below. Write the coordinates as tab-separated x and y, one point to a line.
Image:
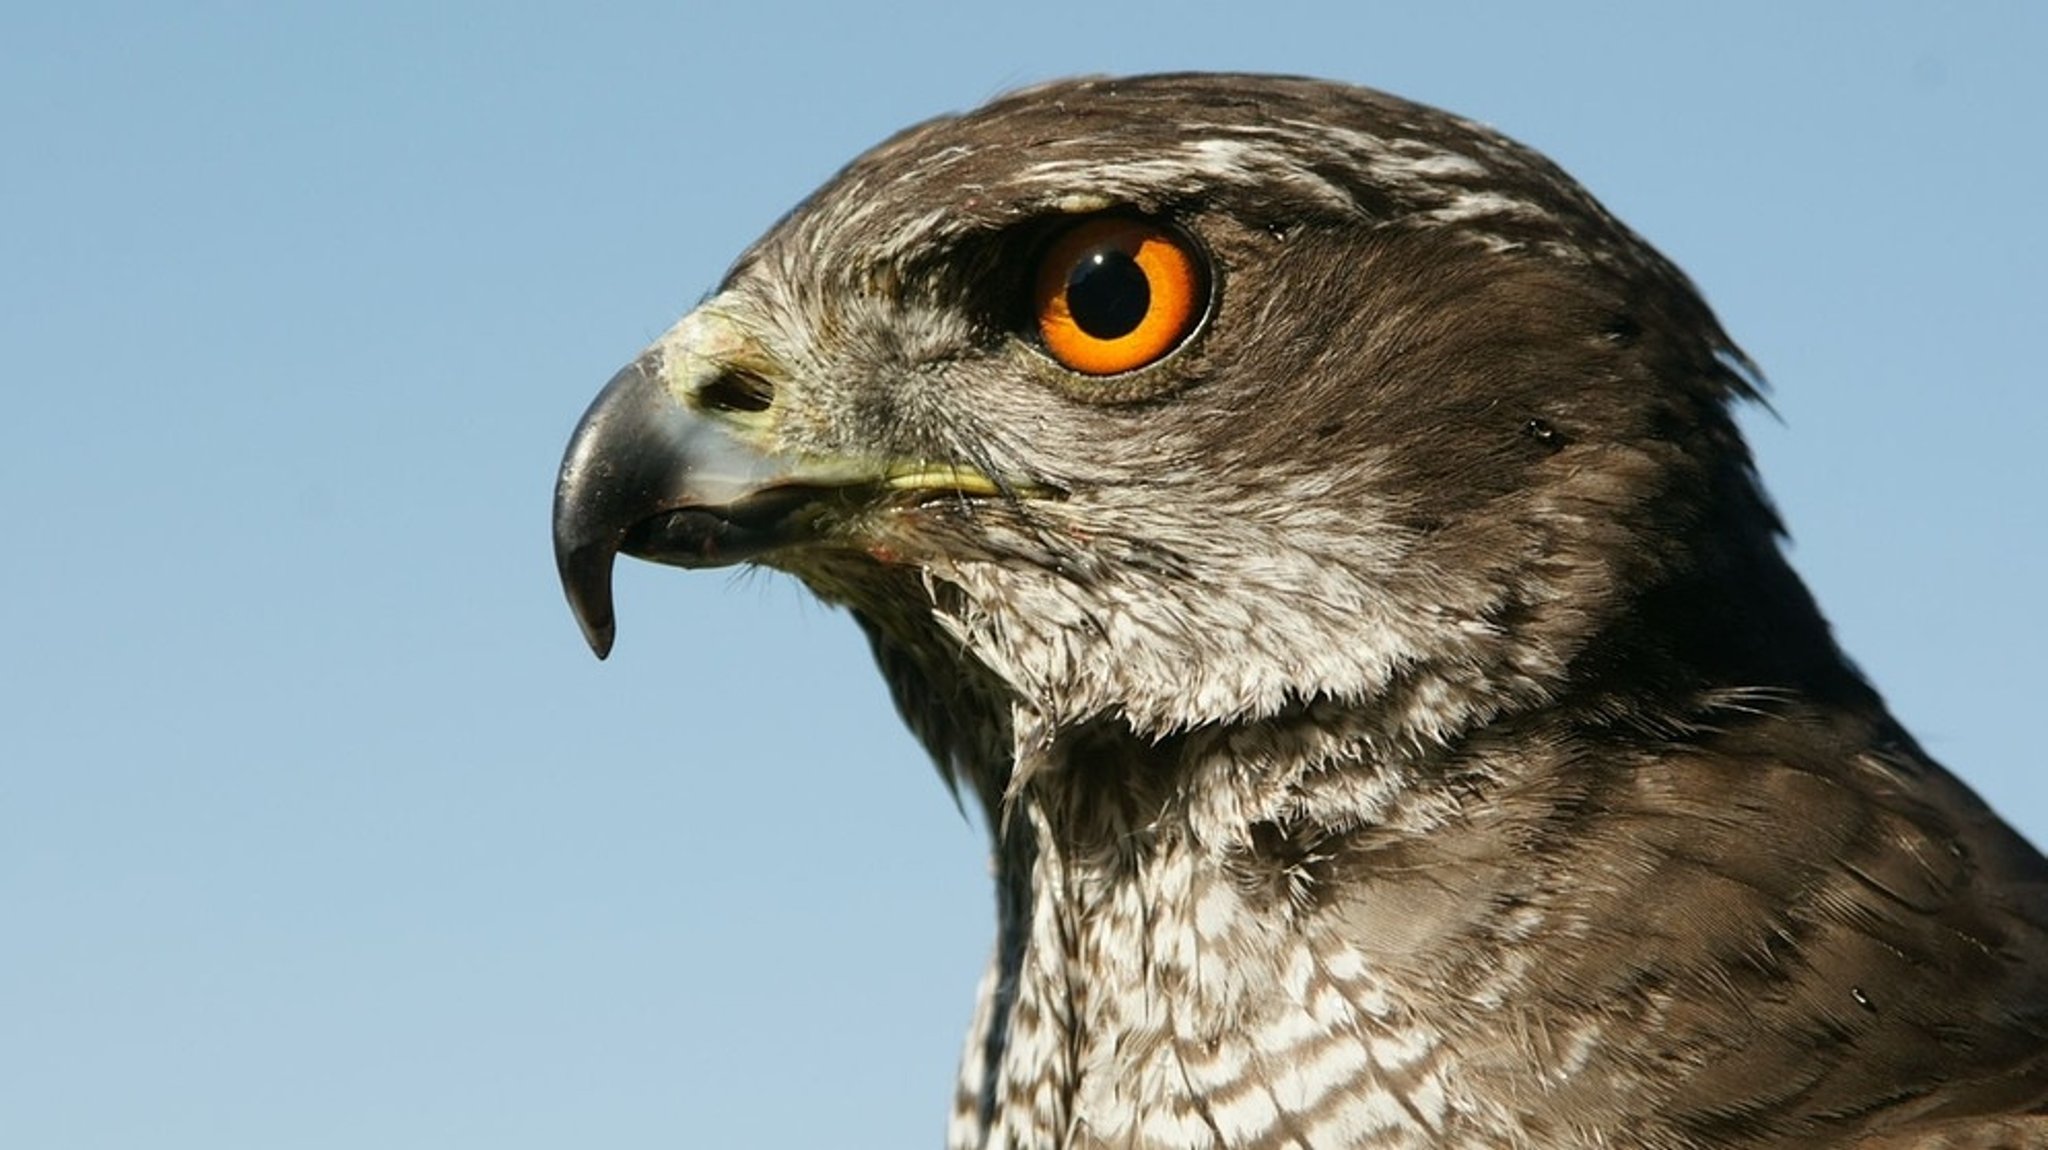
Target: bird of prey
1314	532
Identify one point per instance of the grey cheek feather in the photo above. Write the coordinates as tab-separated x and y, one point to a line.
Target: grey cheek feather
1165	653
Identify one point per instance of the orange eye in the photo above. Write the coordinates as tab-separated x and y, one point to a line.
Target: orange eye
1115	294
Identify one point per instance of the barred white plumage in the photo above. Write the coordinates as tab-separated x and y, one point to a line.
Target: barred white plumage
1398	722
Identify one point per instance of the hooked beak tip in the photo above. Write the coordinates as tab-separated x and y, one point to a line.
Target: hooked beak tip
587	580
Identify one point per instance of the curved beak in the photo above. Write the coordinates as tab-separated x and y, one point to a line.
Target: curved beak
679	461
653	474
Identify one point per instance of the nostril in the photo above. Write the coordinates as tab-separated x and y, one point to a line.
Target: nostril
736	391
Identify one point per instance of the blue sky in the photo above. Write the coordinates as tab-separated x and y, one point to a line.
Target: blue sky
318	825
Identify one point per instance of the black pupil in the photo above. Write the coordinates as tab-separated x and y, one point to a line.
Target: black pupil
1108	294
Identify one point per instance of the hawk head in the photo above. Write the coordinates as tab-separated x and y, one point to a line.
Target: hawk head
1316	531
1426	430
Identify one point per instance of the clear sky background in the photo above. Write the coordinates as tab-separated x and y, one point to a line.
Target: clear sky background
319	827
